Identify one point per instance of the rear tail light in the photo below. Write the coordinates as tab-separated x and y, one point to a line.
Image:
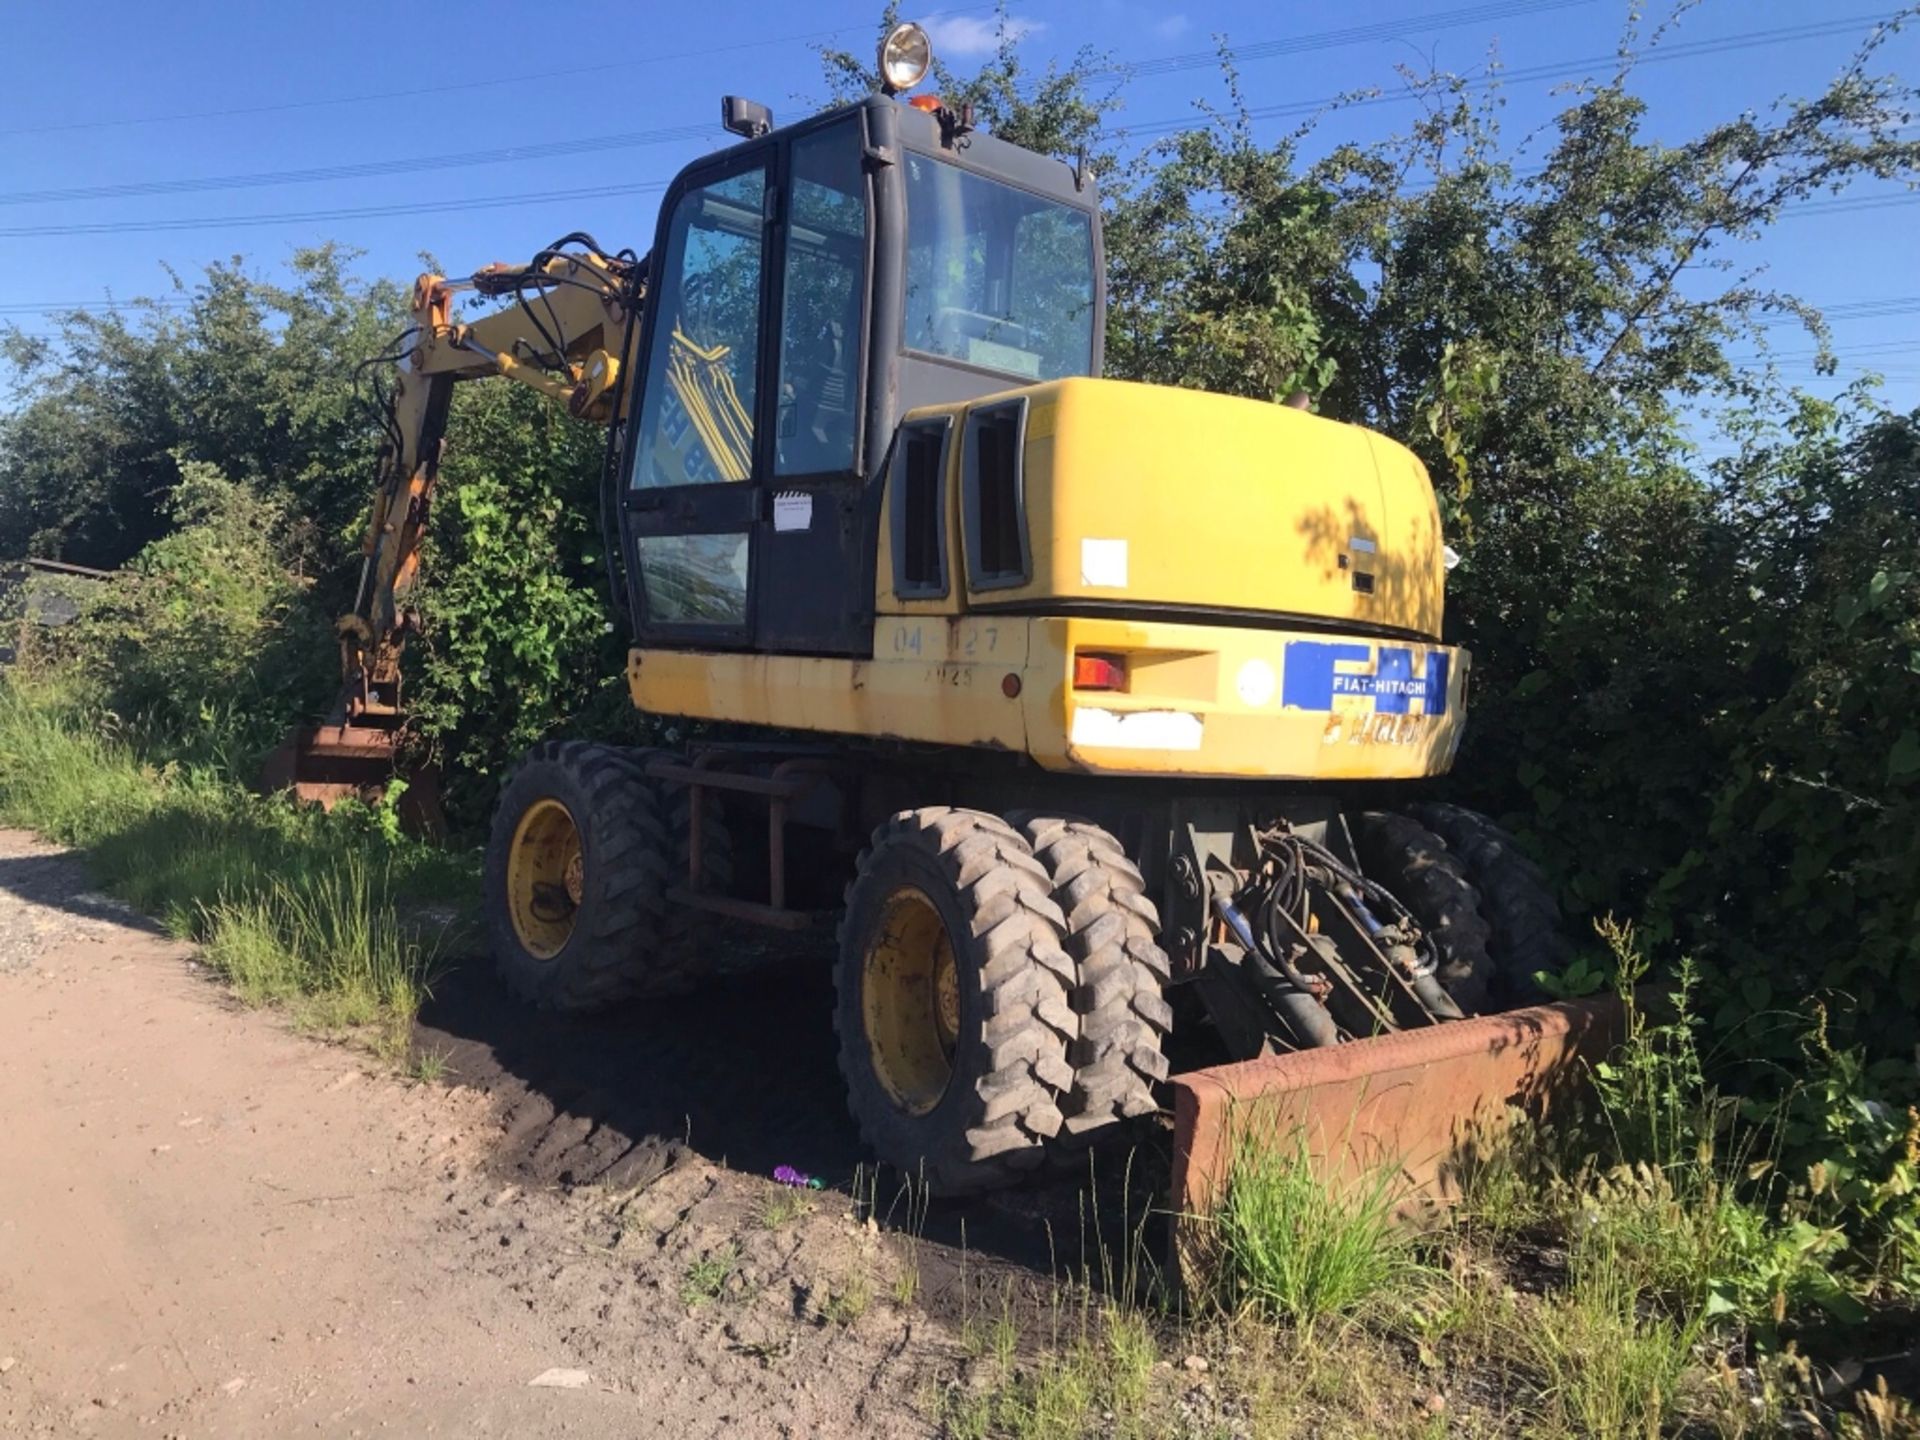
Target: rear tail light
1099	672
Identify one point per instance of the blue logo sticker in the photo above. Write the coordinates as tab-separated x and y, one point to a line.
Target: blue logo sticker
1313	679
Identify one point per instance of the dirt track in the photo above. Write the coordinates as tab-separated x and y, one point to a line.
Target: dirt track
212	1226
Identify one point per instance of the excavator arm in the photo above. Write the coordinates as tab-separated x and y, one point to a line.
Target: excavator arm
569	336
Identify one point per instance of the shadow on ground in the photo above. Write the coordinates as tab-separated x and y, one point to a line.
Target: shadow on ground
743	1074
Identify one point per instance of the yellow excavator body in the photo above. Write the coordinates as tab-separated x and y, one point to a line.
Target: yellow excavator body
1144	498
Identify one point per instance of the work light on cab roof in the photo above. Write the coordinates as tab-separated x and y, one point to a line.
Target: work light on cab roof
905	57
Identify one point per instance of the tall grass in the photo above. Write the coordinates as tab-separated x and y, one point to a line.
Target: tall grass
1609	1365
1300	1249
294	906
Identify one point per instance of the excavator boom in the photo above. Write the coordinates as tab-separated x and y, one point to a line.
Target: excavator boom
568	336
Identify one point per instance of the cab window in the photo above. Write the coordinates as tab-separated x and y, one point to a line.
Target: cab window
996	276
696	422
824	293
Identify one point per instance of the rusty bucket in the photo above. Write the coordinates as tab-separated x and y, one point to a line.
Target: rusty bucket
324	764
1430	1102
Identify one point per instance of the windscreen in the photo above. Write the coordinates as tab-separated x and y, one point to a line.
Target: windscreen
996	276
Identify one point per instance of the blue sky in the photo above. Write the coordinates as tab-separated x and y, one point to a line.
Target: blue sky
449	116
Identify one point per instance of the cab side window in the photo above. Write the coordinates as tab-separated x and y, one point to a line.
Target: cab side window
822	323
696	425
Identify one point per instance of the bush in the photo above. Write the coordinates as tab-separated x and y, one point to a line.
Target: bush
208	637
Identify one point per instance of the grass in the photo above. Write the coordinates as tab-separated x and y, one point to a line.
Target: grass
293	907
848	1298
707	1277
1606	1366
1098	1381
1299	1250
784	1206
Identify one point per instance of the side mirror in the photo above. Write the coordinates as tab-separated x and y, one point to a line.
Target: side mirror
744	117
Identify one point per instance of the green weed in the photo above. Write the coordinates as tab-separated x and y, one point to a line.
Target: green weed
848	1300
1606	1369
707	1277
784	1206
1297	1249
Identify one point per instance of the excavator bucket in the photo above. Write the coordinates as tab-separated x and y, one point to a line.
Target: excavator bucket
1431	1102
325	764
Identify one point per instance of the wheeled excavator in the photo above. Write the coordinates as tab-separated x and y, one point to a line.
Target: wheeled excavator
1065	704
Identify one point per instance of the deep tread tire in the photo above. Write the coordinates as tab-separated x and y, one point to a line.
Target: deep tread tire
1528	932
626	851
1010	1067
1415	864
1122	974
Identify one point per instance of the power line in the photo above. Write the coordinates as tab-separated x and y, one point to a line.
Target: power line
366	169
583	144
1333	39
1559	70
363	212
413	92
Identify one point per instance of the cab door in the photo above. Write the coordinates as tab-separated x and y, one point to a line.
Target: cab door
815	577
692	504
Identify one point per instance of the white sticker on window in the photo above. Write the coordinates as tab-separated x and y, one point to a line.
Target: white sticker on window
1104	563
792	510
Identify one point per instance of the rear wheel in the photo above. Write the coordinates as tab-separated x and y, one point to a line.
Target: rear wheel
1486	907
1415	864
576	871
1119	990
953	1000
1528	932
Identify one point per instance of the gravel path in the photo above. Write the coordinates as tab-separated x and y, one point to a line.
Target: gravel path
212	1226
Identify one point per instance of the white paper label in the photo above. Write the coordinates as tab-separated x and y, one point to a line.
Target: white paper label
792	510
1104	563
1135	729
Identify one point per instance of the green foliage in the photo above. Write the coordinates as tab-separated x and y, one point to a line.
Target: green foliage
209	632
251	377
1760	1213
517	622
1293	1247
294	906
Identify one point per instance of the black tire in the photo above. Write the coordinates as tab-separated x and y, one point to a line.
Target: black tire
1415	864
1121	975
611	951
1529	933
1008	1067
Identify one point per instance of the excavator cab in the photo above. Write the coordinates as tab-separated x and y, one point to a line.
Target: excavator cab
824	279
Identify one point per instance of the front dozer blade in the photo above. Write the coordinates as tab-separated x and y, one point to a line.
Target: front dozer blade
1432	1103
325	764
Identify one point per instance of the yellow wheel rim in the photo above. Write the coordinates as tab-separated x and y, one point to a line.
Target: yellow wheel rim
910	1001
545	878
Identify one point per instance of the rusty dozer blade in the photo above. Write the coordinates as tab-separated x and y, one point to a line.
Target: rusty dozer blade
325	764
1431	1102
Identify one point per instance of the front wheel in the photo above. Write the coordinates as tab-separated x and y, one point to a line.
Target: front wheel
953	1001
576	874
